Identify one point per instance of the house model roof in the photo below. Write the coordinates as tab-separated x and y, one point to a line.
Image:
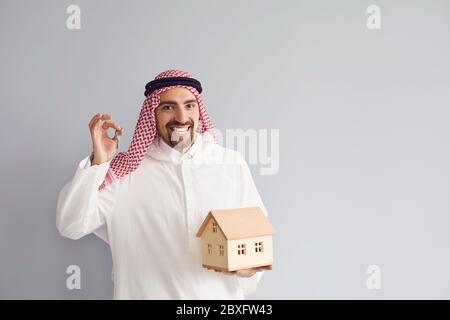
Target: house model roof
239	223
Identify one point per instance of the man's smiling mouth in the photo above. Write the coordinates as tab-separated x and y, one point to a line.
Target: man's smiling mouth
180	130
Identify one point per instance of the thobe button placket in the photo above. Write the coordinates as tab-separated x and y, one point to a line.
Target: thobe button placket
189	201
184	161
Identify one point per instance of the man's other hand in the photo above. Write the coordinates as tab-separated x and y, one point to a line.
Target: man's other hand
245	273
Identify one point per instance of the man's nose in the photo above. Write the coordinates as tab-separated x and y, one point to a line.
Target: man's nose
182	116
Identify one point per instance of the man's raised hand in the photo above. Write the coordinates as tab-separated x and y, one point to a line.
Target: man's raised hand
103	146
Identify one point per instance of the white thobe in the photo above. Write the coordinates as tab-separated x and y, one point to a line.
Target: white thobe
150	218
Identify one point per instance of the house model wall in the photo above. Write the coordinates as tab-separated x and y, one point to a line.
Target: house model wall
234	239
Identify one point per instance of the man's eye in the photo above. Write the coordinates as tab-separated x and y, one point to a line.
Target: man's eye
190	105
166	107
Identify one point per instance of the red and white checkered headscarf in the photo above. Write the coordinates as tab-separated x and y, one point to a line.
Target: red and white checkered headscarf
146	131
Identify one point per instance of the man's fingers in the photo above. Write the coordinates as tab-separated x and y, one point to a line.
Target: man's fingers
95	117
223	271
257	269
111	124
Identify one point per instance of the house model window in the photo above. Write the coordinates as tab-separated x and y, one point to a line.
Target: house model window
259	246
221	250
241	248
209	248
214	227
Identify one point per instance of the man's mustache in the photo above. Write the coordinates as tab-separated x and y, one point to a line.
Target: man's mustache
176	123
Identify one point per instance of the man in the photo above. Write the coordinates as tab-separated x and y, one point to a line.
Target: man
148	202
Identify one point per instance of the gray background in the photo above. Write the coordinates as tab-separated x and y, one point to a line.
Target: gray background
363	116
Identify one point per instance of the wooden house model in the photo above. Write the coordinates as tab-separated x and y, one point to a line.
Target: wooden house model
234	239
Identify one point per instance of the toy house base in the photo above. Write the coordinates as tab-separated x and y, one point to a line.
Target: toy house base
235	269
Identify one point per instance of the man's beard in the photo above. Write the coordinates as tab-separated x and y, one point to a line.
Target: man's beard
179	142
177	137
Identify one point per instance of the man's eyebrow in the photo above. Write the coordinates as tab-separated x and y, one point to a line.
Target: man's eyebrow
174	102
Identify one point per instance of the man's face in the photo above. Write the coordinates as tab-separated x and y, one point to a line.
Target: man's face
177	117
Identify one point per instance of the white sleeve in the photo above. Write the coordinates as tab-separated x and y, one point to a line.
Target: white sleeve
249	198
81	208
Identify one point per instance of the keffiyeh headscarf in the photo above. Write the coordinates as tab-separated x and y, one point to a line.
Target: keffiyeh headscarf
146	131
